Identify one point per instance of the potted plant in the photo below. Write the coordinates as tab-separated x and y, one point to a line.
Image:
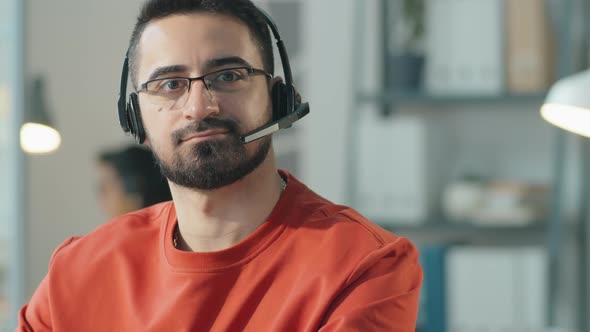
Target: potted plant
407	59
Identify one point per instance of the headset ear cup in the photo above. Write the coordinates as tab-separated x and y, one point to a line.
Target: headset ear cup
124	118
134	117
278	101
283	100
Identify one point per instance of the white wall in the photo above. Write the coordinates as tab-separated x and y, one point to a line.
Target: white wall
79	47
328	39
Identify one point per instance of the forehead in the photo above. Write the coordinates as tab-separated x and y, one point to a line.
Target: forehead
194	39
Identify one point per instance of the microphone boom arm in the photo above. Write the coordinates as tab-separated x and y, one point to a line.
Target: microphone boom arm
284	122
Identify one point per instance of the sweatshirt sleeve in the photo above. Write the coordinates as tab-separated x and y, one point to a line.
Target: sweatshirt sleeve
36	315
381	294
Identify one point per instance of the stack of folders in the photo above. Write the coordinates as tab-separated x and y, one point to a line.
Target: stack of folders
400	159
496	289
487	47
432	316
490	289
464	47
530	54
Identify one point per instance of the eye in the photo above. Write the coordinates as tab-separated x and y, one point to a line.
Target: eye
172	84
167	86
227	80
228	76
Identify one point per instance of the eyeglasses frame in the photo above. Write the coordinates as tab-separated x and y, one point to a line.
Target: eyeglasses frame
251	71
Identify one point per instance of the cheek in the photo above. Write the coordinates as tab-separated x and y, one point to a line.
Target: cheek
251	111
149	118
265	107
157	128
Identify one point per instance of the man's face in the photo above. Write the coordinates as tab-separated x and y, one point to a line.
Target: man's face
197	144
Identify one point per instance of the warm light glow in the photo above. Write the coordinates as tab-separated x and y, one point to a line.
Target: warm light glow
571	118
38	138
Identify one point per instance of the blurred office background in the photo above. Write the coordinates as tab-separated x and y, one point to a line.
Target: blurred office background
424	117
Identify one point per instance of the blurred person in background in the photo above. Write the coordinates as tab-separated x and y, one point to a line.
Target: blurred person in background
129	179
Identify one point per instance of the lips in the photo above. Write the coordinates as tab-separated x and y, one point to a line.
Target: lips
204	134
205	129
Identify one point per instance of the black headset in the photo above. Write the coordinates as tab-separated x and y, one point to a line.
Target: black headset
286	109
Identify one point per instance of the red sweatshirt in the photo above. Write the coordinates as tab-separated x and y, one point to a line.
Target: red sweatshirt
311	266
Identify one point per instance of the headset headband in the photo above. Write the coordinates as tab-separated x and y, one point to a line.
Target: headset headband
286	108
280	46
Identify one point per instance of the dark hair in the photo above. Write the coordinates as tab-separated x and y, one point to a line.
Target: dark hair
139	173
243	10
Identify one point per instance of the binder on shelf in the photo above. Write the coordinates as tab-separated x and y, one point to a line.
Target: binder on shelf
399	162
464	47
529	47
432	313
496	289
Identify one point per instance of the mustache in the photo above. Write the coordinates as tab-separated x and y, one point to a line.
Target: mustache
230	125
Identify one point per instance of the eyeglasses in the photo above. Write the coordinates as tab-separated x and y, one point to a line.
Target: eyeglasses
172	92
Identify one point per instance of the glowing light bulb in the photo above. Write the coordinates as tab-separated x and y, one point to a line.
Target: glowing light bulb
38	138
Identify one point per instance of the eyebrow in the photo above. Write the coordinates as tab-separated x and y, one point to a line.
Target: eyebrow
213	63
175	69
231	60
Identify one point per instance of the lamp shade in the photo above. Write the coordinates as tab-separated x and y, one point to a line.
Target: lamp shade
38	134
568	104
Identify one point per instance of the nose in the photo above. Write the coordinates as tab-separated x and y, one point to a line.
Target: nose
200	102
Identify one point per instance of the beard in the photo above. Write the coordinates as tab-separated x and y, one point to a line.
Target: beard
213	163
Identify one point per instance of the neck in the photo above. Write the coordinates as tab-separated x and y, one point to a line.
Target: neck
218	219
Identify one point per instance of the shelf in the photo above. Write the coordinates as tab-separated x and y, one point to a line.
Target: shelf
557	235
420	98
466	233
465	228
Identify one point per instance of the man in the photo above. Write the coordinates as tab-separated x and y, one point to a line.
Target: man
243	246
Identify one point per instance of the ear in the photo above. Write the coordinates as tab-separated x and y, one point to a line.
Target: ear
297	97
273	81
146	138
278	79
147	142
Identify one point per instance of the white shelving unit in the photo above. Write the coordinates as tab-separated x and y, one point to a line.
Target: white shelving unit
384	99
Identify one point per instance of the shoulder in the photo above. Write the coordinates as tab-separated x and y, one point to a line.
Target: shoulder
346	220
364	240
313	210
118	235
342	227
